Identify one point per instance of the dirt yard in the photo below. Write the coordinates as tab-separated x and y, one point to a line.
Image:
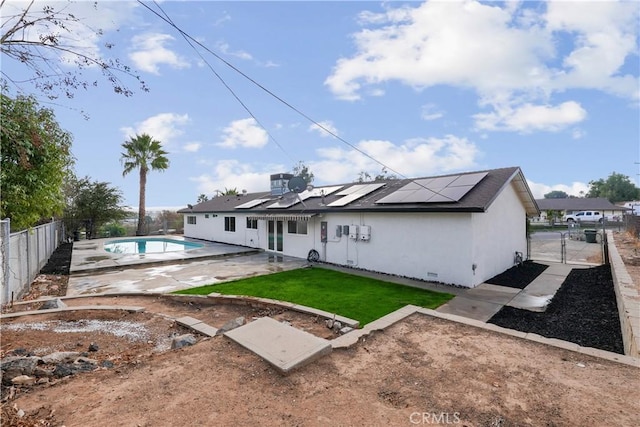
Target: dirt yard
422	371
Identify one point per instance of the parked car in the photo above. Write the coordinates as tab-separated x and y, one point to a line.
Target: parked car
587	216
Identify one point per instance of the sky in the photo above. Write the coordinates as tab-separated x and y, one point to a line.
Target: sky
414	89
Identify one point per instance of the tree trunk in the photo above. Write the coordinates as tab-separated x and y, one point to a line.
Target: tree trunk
141	231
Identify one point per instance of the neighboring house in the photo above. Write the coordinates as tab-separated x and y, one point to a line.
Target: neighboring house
573	205
459	229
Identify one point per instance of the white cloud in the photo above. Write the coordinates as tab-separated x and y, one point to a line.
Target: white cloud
575	189
607	36
431	112
457	43
529	118
577	133
229	174
244	133
508	54
327	125
224	48
149	51
413	158
164	127
224	18
269	64
192	147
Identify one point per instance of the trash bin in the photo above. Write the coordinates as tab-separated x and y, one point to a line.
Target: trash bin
590	236
76	236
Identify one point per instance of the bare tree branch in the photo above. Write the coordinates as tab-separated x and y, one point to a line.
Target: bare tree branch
45	42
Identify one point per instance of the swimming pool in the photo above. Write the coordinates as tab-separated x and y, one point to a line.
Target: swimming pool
148	246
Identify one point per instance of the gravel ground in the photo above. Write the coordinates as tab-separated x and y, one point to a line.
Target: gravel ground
60	261
519	276
583	311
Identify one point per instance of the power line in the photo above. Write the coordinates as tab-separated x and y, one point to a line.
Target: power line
188	40
192	40
263	88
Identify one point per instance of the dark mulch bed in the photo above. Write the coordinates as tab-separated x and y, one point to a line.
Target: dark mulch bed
519	276
60	260
583	311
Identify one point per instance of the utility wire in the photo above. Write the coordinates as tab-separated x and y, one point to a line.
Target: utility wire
189	39
233	67
192	40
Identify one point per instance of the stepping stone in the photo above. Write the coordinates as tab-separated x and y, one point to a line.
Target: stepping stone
197	326
283	346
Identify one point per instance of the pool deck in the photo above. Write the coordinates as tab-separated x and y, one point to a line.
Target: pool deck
89	256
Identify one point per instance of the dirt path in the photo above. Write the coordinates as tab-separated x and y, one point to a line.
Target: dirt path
422	367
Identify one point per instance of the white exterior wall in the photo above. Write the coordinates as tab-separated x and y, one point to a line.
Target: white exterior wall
439	247
419	245
212	229
497	234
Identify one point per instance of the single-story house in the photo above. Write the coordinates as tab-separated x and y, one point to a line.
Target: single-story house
459	229
571	205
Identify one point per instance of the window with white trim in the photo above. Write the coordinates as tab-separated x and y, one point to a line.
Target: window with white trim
297	227
191	220
229	223
252	223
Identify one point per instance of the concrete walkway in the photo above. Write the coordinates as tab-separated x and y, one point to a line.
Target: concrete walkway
482	302
283	346
89	256
176	276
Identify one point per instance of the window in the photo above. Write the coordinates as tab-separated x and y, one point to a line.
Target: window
252	223
206	215
297	227
191	220
229	223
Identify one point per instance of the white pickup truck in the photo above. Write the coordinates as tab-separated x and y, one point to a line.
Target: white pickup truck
587	216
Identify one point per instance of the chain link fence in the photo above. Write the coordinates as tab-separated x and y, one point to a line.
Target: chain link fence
23	254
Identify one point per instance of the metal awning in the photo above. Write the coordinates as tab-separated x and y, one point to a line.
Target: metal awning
282	217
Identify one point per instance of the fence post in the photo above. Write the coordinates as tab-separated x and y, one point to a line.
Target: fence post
5	231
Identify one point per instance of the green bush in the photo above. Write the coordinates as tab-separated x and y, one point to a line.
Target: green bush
113	229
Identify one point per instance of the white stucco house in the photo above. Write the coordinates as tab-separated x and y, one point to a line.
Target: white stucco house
459	229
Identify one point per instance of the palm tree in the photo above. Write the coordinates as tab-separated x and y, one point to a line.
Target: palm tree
144	153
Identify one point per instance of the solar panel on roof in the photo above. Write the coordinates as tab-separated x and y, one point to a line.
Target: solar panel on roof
252	203
286	202
469	179
435	190
357	193
396	197
421	195
441	182
318	192
348	190
292	198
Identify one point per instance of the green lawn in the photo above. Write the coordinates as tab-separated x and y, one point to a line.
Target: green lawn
348	295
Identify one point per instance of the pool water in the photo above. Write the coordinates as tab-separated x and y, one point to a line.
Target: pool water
148	246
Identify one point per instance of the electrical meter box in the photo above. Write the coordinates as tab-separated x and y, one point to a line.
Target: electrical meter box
365	233
353	232
324	227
